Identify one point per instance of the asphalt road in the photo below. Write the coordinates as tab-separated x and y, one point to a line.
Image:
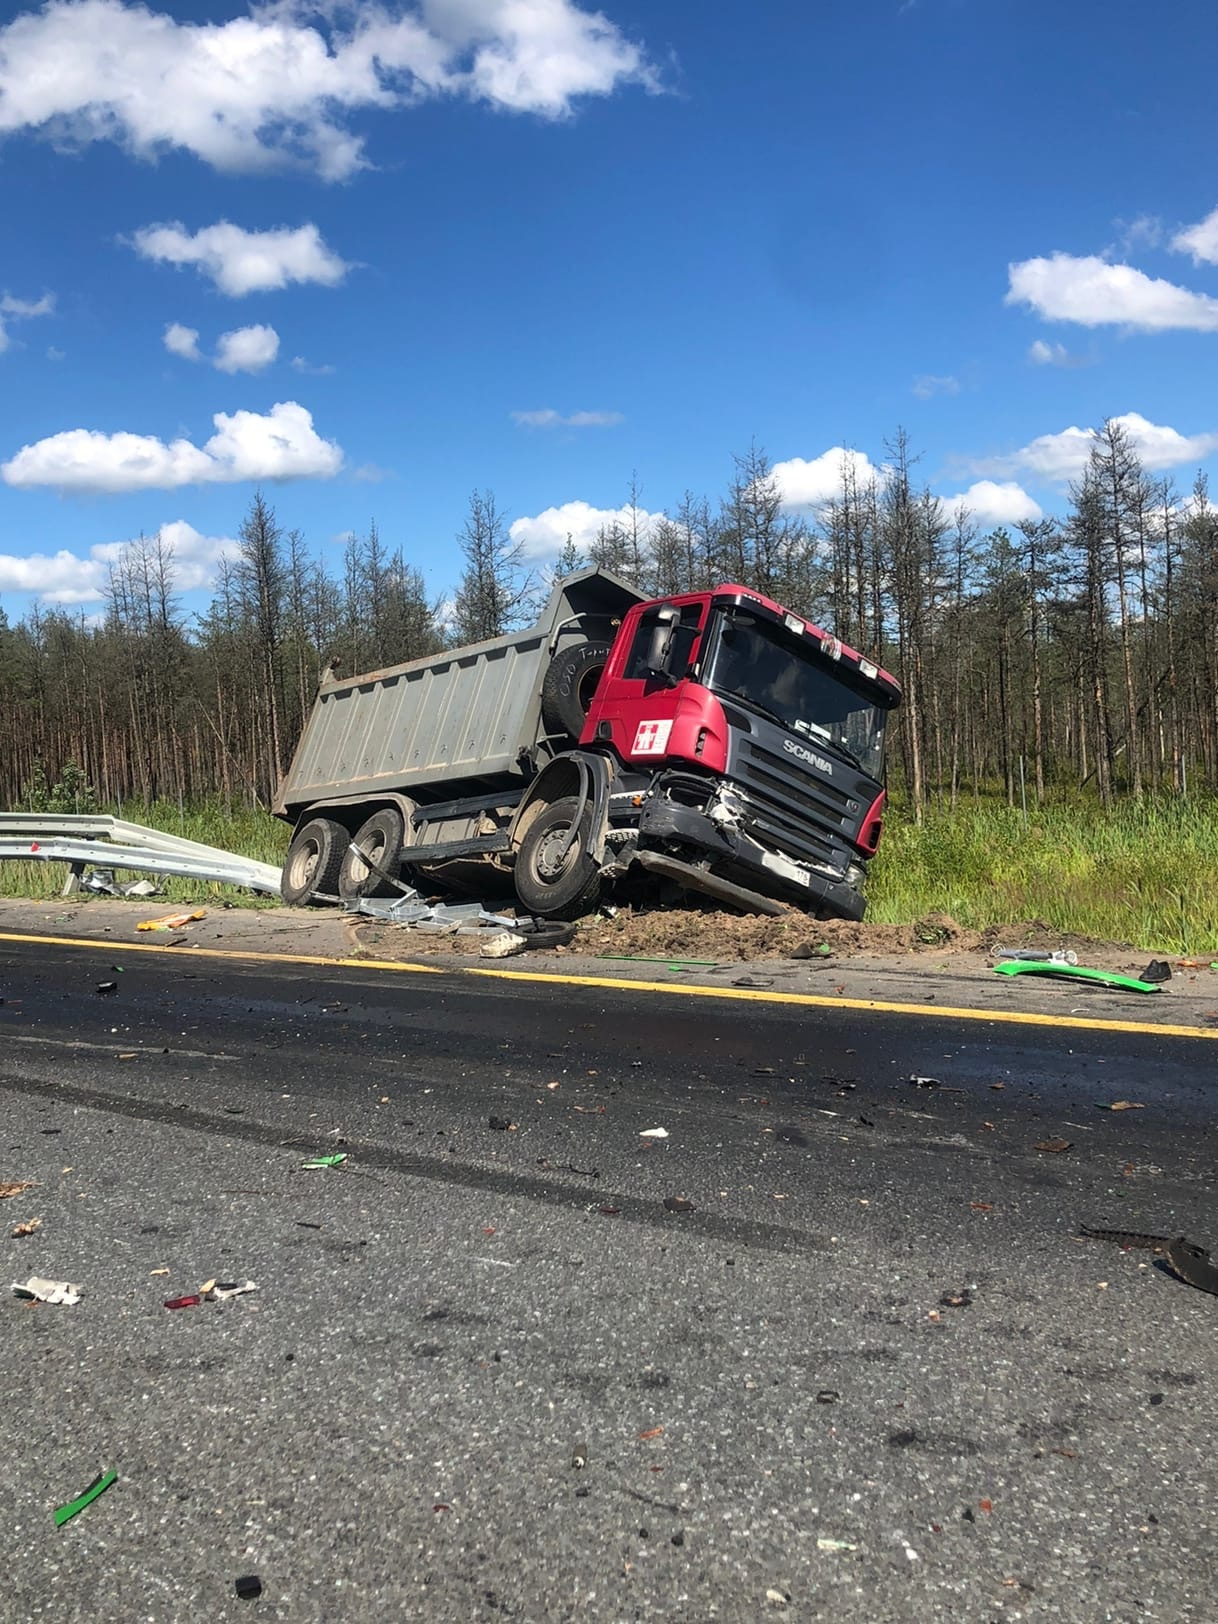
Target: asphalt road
871	1376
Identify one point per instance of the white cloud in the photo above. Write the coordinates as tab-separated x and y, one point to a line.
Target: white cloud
277	85
812	484
1201	240
1063	456
548	418
324	370
929	385
1094	293
67	578
989	504
246	446
1048	355
182	341
240	262
246	349
21	310
545	535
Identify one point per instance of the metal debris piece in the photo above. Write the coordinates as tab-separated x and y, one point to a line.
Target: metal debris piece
48	1291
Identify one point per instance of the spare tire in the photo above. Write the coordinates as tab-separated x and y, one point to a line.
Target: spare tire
313	861
570	683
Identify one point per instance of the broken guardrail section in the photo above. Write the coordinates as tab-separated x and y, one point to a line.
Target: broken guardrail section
86	841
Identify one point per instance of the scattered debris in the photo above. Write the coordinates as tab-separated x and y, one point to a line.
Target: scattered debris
48	1291
1080	972
505	945
610	1212
27	1228
673	964
172	921
336	1160
828	1395
653	1133
956	1299
981	1206
248	1587
1053	1147
219	1291
501	1124
1188	1261
98	1486
579	1456
105	988
192	1300
15	1187
754	981
1119	1105
1029	955
824	1543
652	1432
1157	970
778	1597
806	950
678	1203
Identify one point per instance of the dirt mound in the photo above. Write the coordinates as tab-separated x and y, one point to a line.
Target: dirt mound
706	934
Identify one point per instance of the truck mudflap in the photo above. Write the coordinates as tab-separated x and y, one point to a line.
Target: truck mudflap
576	772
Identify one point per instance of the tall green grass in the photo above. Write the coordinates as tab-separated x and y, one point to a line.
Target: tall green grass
1145	874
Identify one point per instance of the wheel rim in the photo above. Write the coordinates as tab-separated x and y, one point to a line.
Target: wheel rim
305	866
551	861
361	870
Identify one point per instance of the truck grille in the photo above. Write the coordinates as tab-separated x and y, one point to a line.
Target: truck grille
792	812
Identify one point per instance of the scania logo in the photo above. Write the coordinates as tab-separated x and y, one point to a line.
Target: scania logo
810	756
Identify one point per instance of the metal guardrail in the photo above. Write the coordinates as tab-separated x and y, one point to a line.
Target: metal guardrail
84	841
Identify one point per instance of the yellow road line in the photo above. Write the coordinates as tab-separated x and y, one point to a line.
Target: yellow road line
799	1000
807	1000
119	948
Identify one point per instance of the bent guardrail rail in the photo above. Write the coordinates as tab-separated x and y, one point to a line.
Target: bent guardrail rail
85	841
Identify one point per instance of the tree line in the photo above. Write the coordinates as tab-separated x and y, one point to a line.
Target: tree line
1072	652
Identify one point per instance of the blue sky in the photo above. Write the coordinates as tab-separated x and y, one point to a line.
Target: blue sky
371	256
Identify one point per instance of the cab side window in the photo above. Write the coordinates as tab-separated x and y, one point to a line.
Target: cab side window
684	641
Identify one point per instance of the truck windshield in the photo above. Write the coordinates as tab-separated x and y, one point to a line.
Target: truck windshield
752	661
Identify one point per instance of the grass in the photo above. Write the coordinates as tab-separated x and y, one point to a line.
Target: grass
1145	874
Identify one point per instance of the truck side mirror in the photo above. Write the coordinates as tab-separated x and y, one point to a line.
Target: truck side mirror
663	634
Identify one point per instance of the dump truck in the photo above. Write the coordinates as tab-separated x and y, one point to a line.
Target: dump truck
712	740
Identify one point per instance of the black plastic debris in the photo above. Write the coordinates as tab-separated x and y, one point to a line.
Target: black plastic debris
678	1203
105	988
828	1395
248	1587
500	1124
956	1299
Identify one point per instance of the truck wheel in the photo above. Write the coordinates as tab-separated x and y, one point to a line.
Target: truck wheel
568	687
551	885
313	861
381	836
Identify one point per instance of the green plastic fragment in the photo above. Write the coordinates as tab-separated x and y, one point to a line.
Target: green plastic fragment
1076	972
326	1161
99	1485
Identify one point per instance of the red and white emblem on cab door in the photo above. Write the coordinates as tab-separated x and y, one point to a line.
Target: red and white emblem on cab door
651	739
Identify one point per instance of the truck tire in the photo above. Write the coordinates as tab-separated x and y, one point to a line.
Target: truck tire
382	837
554	887
568	687
313	861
